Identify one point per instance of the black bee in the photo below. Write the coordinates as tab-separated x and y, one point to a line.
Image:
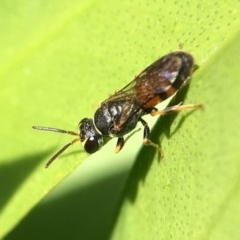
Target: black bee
120	113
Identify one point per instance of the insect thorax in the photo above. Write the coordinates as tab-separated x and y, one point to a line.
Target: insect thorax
117	118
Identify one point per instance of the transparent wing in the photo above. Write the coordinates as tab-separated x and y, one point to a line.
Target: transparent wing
154	84
156	79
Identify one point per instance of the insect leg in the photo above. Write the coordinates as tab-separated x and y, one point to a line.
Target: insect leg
175	108
120	143
146	140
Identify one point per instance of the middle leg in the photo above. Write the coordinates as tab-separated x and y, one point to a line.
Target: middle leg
146	140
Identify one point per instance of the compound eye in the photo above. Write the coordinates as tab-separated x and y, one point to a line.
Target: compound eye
91	145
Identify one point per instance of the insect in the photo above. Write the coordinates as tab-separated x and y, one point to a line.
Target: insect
120	113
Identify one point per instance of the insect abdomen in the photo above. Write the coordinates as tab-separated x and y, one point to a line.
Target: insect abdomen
163	78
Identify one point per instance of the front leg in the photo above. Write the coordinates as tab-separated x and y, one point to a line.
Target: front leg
146	140
120	143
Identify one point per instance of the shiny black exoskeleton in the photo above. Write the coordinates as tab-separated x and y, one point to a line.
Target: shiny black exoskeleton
120	113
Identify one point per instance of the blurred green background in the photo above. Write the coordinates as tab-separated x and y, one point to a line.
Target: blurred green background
59	60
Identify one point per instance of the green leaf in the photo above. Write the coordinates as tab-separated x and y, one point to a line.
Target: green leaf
195	193
59	60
